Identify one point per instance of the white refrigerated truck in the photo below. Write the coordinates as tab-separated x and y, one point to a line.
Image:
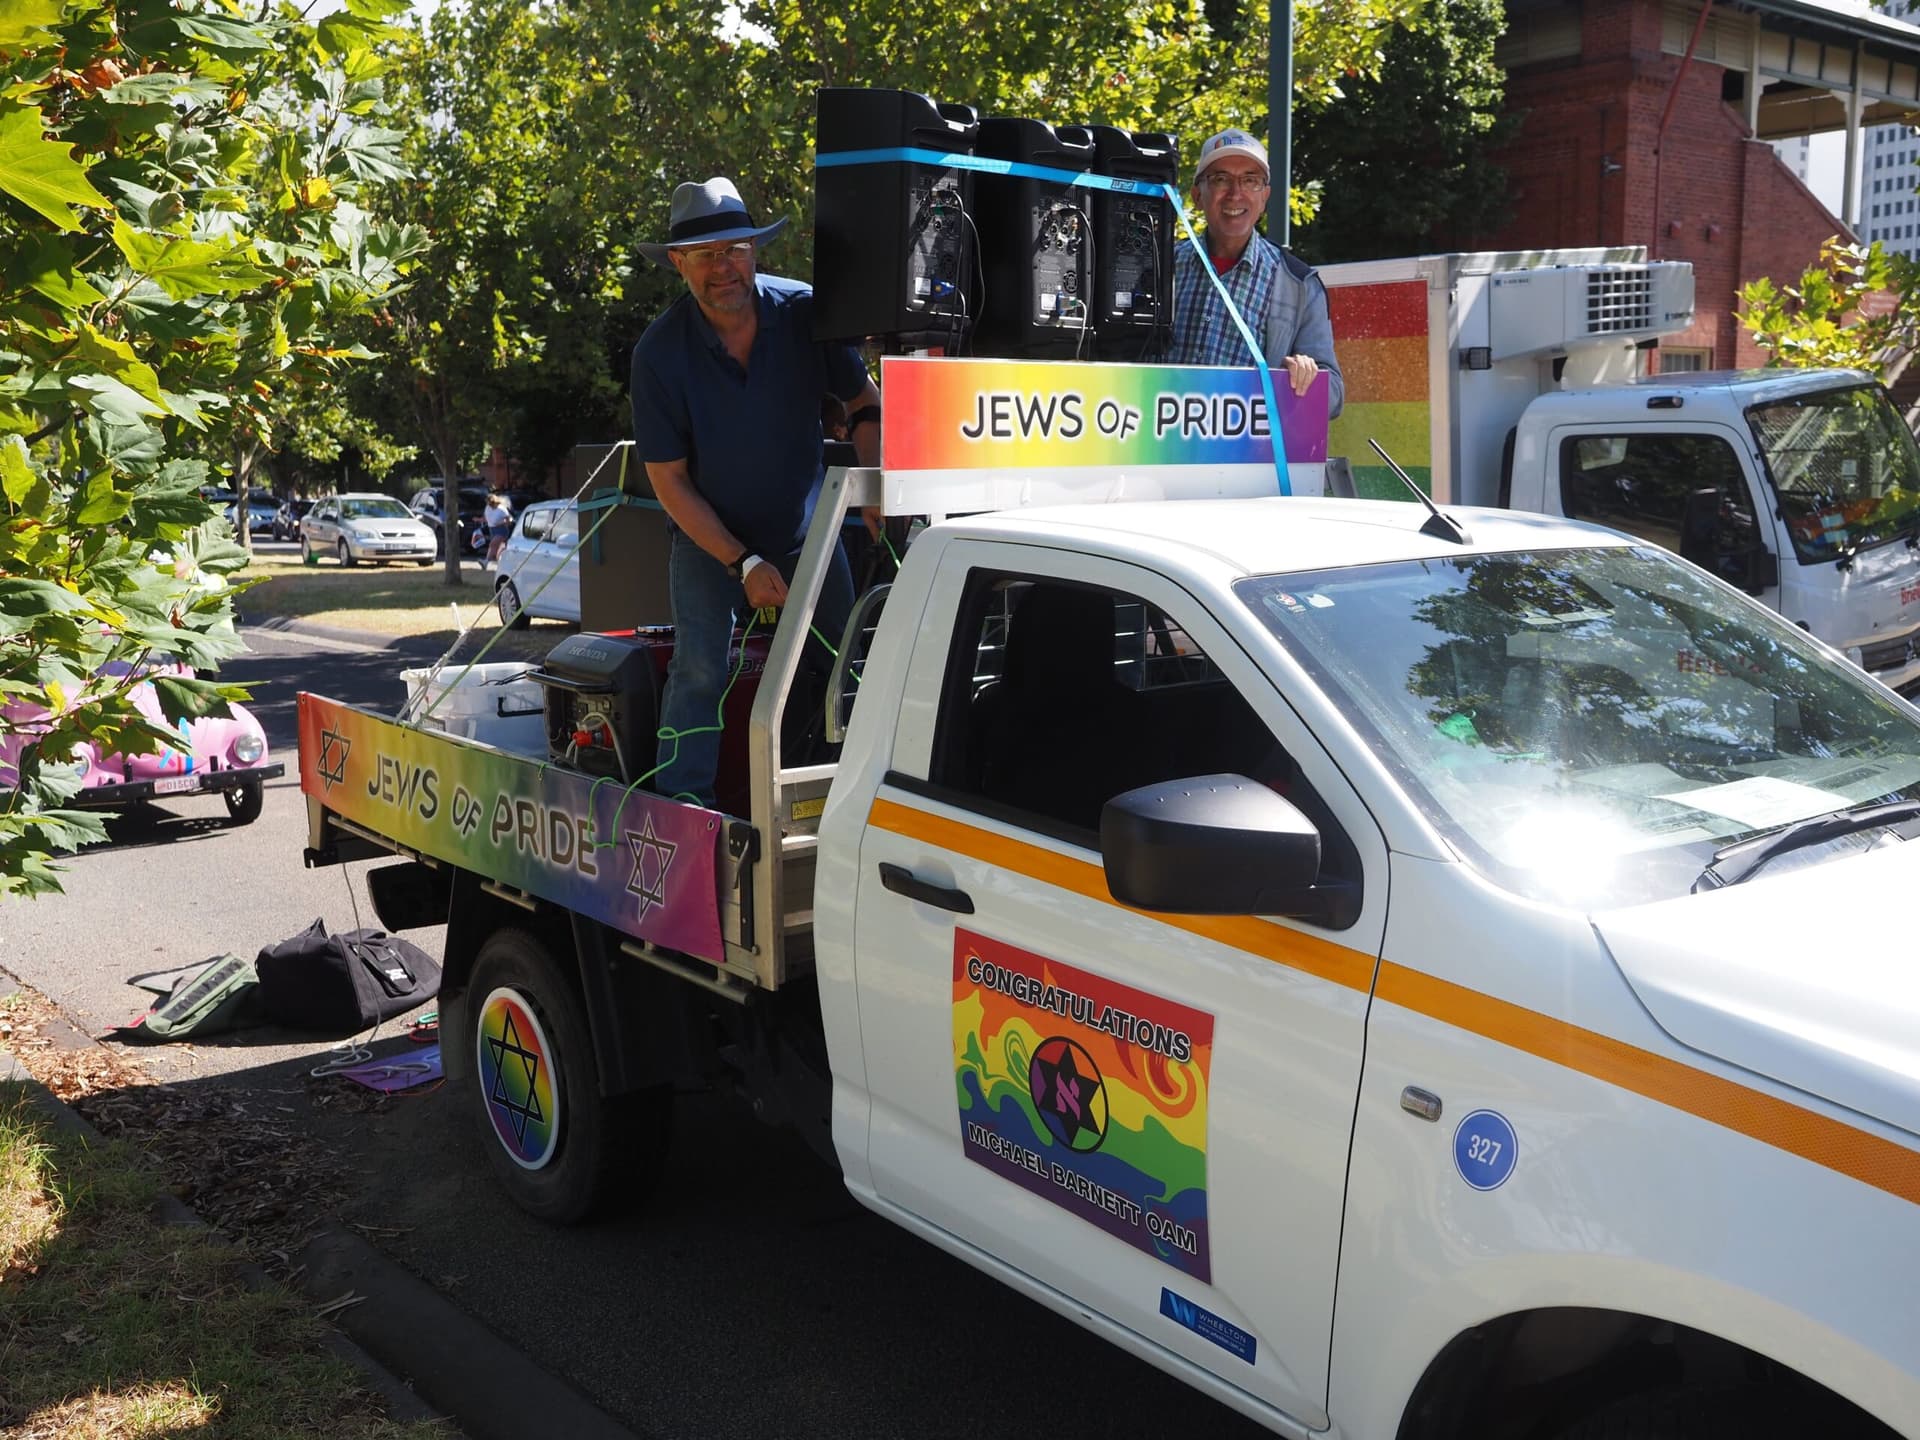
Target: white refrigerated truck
1379	968
1516	380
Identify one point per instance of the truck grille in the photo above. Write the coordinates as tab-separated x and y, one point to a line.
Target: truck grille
1618	299
1889	654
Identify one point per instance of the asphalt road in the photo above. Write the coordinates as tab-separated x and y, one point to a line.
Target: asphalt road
754	1298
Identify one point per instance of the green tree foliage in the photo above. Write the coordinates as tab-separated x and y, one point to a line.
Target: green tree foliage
1858	308
1400	161
182	240
548	139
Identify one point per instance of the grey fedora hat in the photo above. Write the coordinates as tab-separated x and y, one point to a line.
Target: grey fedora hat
705	213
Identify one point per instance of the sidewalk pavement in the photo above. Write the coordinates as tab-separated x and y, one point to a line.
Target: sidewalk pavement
460	1371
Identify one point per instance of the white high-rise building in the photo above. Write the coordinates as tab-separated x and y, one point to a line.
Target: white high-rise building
1796	155
1890	177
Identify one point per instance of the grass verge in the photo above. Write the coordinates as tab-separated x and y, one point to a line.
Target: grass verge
115	1324
389	600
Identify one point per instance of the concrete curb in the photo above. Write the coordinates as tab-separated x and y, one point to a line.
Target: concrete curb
478	1381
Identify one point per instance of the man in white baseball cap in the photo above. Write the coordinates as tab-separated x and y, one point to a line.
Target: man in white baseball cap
1279	295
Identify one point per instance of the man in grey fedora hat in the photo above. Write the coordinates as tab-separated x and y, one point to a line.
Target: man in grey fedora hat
727	390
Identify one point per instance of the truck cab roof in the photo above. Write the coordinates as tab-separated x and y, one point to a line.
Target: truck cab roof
1735	387
1280	534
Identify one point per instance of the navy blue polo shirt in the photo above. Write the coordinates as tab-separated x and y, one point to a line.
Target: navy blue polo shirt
751	438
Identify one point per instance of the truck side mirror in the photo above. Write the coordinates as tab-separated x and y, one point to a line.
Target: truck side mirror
1218	845
1700	527
1711	543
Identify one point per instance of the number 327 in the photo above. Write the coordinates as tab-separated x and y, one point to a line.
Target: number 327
1483	1150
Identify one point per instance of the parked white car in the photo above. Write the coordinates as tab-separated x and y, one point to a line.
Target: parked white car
356	527
539	571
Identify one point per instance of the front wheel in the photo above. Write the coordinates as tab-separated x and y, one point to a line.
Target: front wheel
245	802
423	562
512	617
1715	1412
346	555
561	1149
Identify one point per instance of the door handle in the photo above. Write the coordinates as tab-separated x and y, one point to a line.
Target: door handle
903	881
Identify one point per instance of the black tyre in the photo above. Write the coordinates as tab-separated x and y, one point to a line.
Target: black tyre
1715	1412
245	802
508	599
561	1149
423	562
346	555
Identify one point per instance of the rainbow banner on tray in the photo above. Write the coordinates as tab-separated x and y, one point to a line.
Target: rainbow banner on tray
958	414
1089	1093
1380	336
642	864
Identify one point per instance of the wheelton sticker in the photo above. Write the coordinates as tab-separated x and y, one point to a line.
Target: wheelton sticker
1089	1093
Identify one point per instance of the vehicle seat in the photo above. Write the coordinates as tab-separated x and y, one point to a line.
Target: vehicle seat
1056	734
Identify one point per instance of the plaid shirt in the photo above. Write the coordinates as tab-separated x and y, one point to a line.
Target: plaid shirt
1203	332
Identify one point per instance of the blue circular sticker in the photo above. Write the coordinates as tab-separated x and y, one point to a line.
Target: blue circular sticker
1484	1149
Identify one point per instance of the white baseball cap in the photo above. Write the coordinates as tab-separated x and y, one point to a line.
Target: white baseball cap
1231	142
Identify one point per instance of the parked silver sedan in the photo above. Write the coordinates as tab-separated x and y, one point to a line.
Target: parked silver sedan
356	527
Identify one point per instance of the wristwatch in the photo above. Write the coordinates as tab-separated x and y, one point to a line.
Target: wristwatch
742	563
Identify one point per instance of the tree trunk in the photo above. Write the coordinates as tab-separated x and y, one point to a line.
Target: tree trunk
245	453
433	410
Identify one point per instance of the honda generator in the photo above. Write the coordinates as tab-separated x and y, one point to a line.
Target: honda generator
603	694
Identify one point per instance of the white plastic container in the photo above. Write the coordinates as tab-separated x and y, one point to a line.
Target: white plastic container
498	704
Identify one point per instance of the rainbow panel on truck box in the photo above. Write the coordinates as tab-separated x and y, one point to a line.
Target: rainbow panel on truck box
1062	431
1380	335
644	865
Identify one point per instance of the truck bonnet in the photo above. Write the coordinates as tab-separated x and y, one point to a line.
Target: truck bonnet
1755	975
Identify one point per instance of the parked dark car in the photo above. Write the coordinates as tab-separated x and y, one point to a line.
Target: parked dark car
286	520
473	501
260	516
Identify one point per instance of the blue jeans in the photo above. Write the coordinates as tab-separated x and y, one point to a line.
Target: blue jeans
705	599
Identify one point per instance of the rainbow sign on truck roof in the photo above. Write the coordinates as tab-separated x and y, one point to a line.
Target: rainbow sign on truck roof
1066	422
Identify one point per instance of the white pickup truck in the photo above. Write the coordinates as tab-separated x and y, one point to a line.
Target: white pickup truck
1406	977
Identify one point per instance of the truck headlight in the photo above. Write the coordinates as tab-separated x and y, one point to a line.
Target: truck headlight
248	749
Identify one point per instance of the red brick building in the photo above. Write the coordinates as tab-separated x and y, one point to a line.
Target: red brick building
1592	164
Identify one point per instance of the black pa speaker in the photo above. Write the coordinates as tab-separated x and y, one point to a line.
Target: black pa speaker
1037	240
1133	242
894	248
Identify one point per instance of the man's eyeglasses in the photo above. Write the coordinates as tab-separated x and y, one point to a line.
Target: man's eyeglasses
1220	183
738	253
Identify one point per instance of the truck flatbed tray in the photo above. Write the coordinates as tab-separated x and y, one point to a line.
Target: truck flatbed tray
646	866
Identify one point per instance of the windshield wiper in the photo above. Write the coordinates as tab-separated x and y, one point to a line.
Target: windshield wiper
1742	860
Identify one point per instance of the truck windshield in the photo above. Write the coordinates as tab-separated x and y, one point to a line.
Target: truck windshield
1845	467
1589	726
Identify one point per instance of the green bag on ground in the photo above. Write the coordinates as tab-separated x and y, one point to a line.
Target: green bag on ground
223	994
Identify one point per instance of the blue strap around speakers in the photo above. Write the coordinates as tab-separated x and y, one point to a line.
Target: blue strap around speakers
946	159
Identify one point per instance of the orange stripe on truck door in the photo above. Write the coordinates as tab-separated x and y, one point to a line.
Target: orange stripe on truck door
1866	1157
1297	951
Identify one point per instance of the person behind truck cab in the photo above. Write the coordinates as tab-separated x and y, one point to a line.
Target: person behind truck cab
1280	296
727	386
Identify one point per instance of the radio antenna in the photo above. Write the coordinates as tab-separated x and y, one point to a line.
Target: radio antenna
1439	526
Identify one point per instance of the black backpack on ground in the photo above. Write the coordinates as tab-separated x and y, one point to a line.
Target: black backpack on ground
342	983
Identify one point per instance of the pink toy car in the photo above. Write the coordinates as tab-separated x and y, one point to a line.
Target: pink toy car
227	754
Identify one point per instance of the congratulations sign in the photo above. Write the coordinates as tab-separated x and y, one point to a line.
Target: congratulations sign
951	414
635	861
1091	1094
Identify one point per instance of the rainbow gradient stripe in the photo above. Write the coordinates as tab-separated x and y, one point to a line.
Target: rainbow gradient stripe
1380	336
515	1064
1086	1092
960	414
645	865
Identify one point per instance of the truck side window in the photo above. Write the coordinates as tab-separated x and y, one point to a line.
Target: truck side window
1642	484
1059	696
